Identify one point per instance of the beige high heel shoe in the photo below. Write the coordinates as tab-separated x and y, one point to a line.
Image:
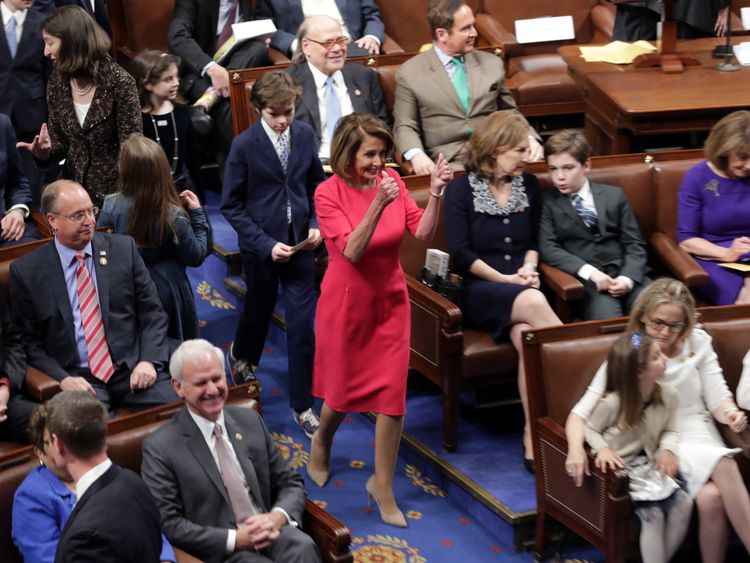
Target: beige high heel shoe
394	519
319	477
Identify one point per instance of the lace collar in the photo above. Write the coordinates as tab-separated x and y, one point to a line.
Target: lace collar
485	202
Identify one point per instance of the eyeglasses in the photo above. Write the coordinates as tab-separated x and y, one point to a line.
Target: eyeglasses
328	45
658	324
79	216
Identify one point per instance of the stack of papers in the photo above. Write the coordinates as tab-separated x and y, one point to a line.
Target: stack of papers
742	52
617	52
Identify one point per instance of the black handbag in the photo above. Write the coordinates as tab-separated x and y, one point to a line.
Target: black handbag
201	123
449	286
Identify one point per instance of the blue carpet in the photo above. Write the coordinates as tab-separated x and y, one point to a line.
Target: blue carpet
445	523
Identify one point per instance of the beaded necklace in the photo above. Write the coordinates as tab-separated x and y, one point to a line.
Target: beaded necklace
175	155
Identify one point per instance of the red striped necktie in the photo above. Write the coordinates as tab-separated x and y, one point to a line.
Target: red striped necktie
100	362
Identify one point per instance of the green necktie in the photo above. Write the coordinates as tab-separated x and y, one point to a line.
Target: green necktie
460	84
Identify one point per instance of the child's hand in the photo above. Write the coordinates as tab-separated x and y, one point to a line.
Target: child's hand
606	457
190	200
737	421
666	463
281	252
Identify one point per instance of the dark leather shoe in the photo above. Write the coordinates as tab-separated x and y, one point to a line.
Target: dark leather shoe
529	465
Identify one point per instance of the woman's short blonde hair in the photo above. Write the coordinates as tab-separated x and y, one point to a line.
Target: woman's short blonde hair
731	134
500	131
663	291
348	137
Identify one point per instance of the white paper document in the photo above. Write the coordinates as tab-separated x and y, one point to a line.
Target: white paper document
536	30
742	52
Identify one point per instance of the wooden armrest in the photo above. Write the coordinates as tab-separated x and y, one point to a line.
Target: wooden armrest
328	532
493	32
565	286
603	19
448	312
39	385
736	440
680	263
331	536
40	222
277	57
390	45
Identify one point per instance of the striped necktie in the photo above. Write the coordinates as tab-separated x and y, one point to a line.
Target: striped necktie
100	362
587	215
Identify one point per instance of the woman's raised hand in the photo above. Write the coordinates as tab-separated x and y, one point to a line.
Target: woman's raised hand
387	189
41	146
441	175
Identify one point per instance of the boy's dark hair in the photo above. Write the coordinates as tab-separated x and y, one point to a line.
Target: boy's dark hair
79	420
275	89
570	141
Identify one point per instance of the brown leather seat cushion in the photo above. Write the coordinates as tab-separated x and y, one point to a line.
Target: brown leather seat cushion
482	355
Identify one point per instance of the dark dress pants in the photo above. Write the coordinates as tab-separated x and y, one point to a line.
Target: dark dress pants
262	279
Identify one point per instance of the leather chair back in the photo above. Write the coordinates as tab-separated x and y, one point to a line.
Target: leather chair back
667	181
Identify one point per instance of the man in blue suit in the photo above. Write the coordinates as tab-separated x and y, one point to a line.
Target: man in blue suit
15	195
23	76
270	177
361	19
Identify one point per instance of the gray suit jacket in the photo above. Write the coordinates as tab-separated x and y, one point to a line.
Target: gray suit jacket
615	245
361	82
427	113
185	481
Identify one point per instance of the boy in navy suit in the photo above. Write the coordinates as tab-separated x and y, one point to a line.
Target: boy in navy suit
589	231
270	177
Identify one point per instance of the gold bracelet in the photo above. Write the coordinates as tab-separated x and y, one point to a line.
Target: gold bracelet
438	196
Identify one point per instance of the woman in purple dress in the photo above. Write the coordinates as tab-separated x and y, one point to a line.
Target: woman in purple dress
713	218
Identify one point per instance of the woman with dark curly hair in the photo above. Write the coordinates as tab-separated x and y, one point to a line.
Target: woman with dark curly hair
93	103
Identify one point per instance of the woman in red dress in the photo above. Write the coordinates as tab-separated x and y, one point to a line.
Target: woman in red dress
363	319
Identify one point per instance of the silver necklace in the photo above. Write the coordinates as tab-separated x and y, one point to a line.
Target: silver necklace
175	155
80	92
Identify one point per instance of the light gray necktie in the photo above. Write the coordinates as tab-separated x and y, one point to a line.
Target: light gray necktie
12	36
333	110
238	495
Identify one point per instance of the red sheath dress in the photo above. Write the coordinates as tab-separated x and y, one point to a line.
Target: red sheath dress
363	321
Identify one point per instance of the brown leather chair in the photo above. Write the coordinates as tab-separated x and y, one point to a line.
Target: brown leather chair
535	74
560	363
639	176
124	443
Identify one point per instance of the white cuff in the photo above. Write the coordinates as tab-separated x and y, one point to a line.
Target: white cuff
586	271
231	541
628	281
205	68
411	153
375	38
22	207
289	519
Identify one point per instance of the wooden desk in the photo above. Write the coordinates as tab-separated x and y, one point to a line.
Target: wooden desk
621	102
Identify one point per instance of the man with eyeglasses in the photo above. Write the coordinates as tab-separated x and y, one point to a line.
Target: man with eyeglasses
360	21
331	87
88	310
443	93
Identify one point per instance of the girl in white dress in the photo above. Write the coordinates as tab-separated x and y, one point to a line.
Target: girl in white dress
666	312
633	427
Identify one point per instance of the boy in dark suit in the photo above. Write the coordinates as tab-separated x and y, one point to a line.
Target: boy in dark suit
115	517
589	231
270	177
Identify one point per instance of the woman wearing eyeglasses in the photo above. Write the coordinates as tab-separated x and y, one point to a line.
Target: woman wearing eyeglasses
666	312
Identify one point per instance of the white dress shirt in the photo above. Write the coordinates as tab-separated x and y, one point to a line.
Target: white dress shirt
88	478
20	16
345	103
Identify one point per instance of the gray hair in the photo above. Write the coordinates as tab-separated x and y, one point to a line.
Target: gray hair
189	350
